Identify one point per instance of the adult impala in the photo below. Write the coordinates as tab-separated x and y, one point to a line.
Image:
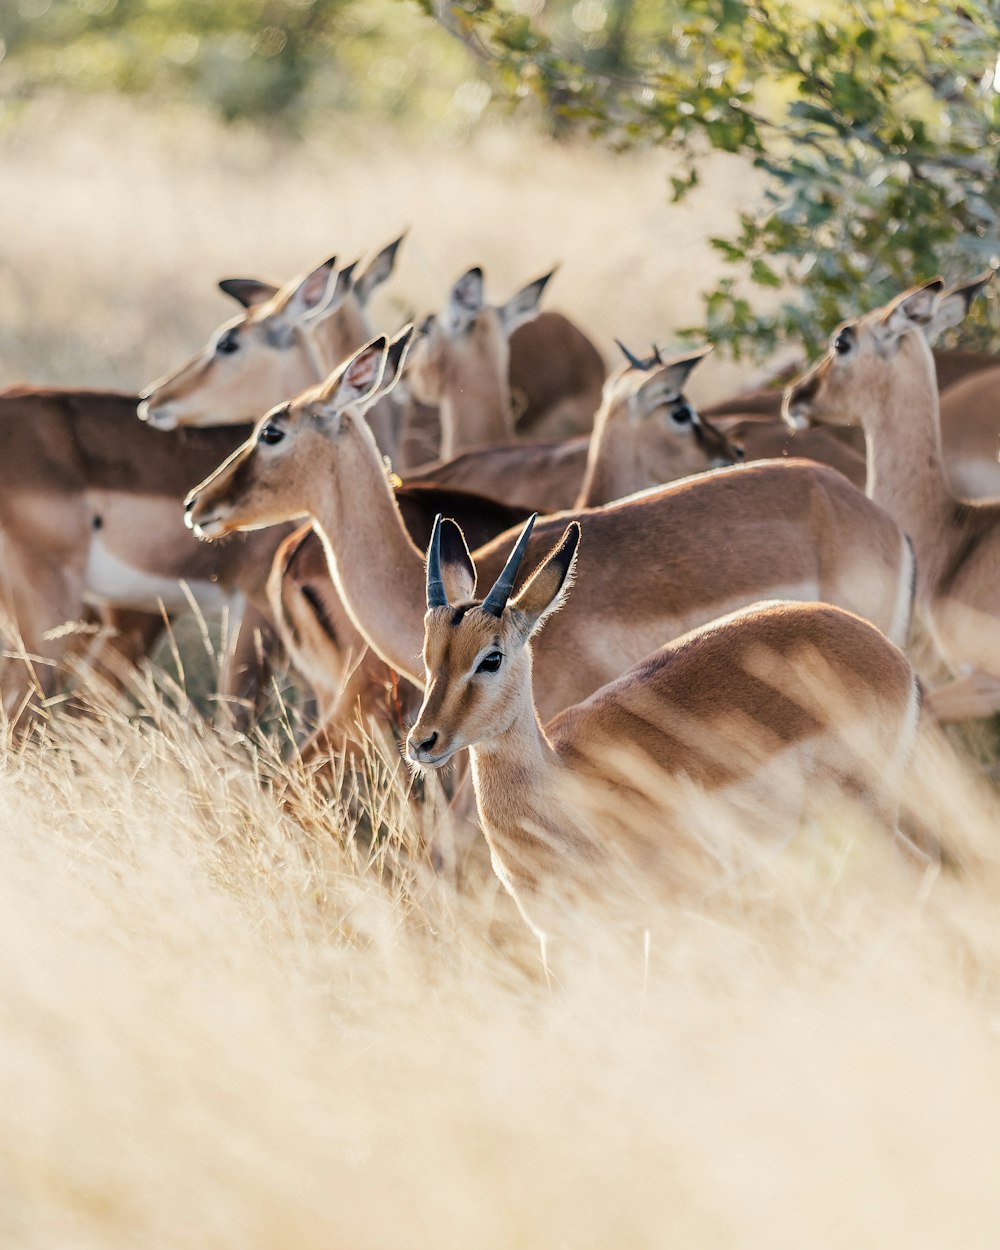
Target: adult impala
707	545
727	708
879	374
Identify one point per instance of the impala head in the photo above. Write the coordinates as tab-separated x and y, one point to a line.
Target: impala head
469	340
279	344
645	401
476	654
869	357
276	473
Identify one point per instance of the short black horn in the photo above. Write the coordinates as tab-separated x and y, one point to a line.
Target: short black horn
634	361
436	597
496	600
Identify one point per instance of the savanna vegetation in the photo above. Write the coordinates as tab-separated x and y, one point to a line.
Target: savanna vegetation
240	1010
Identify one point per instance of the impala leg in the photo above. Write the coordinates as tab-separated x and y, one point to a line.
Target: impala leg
975	695
248	655
38	596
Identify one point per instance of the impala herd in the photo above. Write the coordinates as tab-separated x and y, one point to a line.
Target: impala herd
735	590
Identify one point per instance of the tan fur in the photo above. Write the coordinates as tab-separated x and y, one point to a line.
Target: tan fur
556	377
886	384
77	468
704	546
803	691
637	443
461	366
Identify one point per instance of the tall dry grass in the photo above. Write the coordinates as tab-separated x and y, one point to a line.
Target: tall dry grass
228	1019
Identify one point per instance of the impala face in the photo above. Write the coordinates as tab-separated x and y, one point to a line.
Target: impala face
647	399
273	477
468	342
476	658
251	362
874	356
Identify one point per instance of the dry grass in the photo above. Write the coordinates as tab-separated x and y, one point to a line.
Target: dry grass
226	1021
226	1024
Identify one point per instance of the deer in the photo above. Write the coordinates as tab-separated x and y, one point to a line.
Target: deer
709	544
646	432
802	692
970	427
879	374
461	366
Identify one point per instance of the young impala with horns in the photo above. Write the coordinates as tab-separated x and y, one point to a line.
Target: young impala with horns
691	551
879	374
759	708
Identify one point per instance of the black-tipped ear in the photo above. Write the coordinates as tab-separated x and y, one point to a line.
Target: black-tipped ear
523	307
338	291
395	358
378	271
465	300
546	589
356	380
248	291
458	573
953	306
914	309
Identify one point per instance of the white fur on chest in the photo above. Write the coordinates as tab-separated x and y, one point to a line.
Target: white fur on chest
110	580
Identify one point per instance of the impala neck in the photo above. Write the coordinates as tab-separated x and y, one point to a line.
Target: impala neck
376	568
518	779
614	466
475	417
906	474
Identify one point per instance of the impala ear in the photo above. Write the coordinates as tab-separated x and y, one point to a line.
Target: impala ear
357	380
248	291
913	310
395	359
667	382
337	290
458	573
310	293
379	271
465	301
546	589
954	305
523	307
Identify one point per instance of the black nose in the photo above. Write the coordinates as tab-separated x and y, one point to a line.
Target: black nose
188	504
428	743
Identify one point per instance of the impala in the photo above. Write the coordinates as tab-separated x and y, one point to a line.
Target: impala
879	374
645	433
286	338
727	708
462	363
707	545
90	513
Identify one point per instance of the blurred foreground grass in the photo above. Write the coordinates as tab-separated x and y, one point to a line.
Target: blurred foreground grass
227	1020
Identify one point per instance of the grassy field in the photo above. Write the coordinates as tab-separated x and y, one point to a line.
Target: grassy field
227	1021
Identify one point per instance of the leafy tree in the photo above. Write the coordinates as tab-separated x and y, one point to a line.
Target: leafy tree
877	124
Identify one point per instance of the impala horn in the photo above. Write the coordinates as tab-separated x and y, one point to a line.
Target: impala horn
436	597
633	361
496	600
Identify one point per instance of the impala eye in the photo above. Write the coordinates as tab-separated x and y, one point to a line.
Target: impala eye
682	413
228	344
271	434
490	663
843	343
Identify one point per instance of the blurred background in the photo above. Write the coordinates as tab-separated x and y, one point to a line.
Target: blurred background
744	173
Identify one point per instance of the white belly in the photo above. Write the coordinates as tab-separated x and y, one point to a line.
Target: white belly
109	580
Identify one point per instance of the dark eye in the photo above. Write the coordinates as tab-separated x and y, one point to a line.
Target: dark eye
271	434
682	413
228	344
842	344
490	663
